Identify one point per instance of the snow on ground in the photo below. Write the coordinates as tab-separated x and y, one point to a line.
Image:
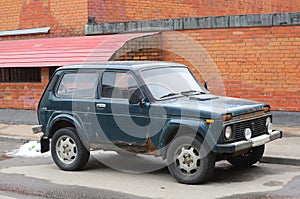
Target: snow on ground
33	149
29	149
98	152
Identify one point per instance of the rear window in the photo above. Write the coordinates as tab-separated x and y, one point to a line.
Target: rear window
78	85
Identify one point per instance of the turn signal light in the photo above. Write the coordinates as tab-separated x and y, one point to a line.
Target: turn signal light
227	117
210	121
266	109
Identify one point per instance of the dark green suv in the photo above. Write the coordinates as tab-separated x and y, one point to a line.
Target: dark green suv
156	108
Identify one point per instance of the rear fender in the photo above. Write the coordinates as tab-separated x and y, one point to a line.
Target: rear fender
81	132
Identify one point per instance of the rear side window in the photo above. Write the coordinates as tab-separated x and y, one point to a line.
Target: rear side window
78	85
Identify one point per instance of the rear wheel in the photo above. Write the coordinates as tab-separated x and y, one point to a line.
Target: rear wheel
67	150
189	160
248	159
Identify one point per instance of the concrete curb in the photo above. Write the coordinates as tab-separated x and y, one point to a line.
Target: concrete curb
17	139
16	116
280	160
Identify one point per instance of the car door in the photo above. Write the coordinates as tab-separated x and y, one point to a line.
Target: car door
119	122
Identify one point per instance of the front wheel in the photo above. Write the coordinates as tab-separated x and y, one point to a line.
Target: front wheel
248	159
189	160
67	150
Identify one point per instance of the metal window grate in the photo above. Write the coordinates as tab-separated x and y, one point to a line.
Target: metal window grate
51	71
20	74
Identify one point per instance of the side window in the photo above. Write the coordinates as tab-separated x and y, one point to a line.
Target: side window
117	85
78	85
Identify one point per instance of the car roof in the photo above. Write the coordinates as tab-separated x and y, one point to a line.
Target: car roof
124	65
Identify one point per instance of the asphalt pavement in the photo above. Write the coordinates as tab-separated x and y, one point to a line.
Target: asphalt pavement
16	125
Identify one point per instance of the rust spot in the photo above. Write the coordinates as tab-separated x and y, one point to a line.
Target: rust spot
4	157
149	145
133	147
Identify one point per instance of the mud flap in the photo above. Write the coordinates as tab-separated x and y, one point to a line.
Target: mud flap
45	144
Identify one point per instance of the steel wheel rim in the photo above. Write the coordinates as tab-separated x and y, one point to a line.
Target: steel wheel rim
66	149
187	159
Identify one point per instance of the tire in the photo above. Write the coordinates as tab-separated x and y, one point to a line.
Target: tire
248	159
199	167
67	150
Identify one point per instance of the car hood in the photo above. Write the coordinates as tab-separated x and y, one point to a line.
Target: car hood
210	106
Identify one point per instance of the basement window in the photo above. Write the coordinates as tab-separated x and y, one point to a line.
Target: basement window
20	74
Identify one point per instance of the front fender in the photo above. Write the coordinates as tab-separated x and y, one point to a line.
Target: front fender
209	132
199	127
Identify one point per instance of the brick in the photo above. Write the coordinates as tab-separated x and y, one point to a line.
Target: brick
265	69
257	63
130	10
69	16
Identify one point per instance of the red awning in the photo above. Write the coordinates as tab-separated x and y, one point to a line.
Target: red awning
62	51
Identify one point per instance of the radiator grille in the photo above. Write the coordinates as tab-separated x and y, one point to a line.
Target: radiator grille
258	127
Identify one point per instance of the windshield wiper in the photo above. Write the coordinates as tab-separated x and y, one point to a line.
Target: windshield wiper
169	95
185	93
192	92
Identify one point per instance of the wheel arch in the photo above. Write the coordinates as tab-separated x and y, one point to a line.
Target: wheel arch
177	129
65	121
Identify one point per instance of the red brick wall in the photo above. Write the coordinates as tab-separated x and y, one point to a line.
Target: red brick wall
64	17
23	95
256	63
140	49
131	10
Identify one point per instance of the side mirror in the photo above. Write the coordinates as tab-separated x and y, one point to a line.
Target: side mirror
206	85
135	96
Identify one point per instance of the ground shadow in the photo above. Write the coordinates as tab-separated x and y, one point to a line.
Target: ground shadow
223	172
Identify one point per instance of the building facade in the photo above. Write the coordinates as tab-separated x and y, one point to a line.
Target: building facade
248	49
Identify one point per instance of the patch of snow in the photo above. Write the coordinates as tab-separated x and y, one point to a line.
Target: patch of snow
151	157
98	152
29	149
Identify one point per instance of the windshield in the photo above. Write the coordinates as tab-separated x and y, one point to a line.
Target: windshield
171	82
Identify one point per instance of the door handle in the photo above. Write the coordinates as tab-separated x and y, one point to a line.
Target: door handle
101	105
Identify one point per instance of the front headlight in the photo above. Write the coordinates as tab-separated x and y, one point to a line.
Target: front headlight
269	125
228	134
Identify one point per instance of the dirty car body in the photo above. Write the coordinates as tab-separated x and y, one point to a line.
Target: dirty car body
156	108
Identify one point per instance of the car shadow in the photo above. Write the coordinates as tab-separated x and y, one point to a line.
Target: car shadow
131	163
223	172
226	173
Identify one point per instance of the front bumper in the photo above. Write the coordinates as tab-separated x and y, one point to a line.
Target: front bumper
243	145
